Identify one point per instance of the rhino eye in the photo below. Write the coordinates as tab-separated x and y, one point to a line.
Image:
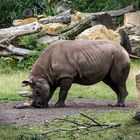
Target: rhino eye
37	93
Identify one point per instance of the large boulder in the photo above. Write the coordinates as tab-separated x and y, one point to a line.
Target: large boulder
134	37
99	32
132	18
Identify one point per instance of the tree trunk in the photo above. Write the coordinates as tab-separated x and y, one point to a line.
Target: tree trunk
138	88
64	17
20	30
12	50
115	13
81	26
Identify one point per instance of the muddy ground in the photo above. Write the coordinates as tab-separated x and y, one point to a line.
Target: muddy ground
31	116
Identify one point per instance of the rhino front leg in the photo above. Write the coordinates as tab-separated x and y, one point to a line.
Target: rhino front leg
52	89
65	85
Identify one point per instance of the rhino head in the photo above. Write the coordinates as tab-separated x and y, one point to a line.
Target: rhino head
39	93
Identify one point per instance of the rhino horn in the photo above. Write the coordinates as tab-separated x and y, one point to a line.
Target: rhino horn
26	104
24	94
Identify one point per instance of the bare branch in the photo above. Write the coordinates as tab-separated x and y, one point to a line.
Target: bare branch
90	119
74	122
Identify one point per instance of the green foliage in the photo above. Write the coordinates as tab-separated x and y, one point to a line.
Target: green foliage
8	64
28	41
13	9
102	5
30	59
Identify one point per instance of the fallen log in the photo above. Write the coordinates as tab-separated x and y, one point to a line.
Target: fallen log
20	30
9	54
115	13
67	28
81	26
64	17
12	50
73	30
69	32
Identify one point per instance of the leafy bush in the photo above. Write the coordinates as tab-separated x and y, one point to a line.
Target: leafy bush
30	59
8	64
13	9
28	41
102	5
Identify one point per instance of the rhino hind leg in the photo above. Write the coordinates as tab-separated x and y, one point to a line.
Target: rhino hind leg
119	89
65	85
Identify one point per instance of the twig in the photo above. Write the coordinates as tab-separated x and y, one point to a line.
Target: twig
109	126
74	122
82	126
98	124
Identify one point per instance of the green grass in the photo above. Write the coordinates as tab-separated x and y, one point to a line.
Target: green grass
129	129
10	85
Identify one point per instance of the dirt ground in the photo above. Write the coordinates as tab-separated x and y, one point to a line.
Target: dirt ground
31	116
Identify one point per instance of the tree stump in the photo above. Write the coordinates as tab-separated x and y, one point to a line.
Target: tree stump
137	115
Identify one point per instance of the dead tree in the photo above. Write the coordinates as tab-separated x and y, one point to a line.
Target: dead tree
20	30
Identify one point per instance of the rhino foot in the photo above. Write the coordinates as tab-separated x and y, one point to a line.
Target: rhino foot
59	104
21	106
120	105
116	105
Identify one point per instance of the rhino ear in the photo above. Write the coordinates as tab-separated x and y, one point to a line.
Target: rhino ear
26	82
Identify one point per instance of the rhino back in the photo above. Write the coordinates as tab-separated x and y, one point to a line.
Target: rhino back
84	61
87	61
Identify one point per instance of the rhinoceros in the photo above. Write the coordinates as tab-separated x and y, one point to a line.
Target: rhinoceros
84	62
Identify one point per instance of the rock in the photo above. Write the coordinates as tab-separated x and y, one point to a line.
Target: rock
99	32
52	28
132	18
25	21
134	36
137	116
135	43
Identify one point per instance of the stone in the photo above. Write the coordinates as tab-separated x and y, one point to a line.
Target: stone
132	18
99	32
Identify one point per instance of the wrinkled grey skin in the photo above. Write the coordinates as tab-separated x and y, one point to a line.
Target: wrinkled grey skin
83	62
